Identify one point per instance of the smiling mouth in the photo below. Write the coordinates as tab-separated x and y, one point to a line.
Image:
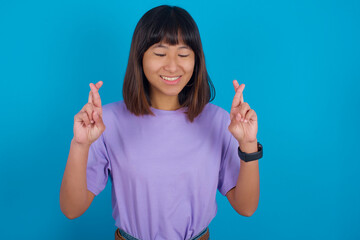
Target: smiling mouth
170	78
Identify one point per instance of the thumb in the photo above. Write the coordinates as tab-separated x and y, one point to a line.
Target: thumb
98	121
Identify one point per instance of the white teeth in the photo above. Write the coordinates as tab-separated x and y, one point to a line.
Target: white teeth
170	79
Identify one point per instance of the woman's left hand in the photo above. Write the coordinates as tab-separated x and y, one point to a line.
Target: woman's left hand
244	125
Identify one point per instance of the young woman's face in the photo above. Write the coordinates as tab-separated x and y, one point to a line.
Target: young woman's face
168	68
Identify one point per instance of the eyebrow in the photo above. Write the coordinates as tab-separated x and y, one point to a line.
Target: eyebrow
163	46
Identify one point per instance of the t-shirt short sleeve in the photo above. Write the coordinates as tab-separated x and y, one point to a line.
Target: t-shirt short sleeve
98	166
230	162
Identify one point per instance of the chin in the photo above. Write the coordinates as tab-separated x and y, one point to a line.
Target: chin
173	93
172	90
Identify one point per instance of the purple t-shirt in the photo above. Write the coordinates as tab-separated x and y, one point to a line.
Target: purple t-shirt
164	169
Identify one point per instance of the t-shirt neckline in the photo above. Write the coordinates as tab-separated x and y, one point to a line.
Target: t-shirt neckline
168	112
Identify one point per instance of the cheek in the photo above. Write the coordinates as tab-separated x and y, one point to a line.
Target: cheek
188	63
151	67
189	67
149	64
148	68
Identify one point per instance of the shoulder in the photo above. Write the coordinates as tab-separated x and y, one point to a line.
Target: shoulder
215	117
216	112
114	111
114	107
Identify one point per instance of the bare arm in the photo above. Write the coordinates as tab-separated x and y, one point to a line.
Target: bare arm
75	199
244	198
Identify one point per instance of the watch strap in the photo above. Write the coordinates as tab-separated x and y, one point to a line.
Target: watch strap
247	157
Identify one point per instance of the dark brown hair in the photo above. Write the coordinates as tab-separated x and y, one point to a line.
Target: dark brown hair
166	23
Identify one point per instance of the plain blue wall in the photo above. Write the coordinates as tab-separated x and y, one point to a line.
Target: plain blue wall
300	61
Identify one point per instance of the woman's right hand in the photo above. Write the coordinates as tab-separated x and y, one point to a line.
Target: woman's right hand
88	123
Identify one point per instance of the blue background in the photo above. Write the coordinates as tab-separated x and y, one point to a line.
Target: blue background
300	61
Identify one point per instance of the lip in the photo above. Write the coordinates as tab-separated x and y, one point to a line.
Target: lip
170	82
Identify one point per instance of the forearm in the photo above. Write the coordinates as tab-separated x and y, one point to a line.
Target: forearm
73	191
247	189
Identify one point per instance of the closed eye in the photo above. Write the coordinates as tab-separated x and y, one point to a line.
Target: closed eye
183	55
159	54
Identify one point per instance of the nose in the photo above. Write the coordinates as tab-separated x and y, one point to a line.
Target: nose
171	64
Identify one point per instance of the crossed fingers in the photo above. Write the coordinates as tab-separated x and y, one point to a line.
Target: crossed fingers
94	102
238	100
94	96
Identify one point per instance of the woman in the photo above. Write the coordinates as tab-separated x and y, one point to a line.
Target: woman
166	148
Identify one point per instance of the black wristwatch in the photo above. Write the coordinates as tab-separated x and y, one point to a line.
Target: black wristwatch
247	157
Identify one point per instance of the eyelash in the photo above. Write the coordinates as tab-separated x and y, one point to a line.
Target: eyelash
163	55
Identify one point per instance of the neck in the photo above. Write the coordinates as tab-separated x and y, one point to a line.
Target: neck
168	103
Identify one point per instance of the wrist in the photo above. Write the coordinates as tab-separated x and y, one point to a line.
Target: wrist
79	145
248	147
